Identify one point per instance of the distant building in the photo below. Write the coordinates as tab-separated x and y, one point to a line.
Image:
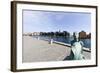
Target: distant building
31	34
82	35
89	35
35	33
27	34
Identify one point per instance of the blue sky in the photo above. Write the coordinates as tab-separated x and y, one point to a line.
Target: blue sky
47	21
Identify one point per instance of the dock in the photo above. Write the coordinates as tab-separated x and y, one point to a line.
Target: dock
35	50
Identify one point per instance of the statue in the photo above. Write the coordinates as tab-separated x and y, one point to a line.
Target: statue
77	48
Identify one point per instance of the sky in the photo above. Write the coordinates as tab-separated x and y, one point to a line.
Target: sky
50	21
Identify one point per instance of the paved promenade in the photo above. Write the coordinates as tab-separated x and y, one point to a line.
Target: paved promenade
35	50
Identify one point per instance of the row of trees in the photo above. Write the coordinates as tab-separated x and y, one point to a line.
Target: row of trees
82	34
64	33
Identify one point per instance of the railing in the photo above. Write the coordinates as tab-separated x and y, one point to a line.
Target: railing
65	44
61	43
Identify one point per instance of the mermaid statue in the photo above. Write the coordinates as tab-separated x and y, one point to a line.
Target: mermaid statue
77	48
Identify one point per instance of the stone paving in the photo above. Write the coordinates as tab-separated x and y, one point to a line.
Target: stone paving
35	50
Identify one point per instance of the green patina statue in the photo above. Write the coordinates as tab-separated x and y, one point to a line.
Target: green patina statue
77	48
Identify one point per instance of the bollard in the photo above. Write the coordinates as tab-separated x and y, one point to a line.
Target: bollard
51	41
37	38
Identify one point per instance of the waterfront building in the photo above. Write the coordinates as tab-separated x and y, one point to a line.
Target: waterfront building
82	35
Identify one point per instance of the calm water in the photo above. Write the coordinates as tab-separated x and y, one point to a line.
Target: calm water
87	42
